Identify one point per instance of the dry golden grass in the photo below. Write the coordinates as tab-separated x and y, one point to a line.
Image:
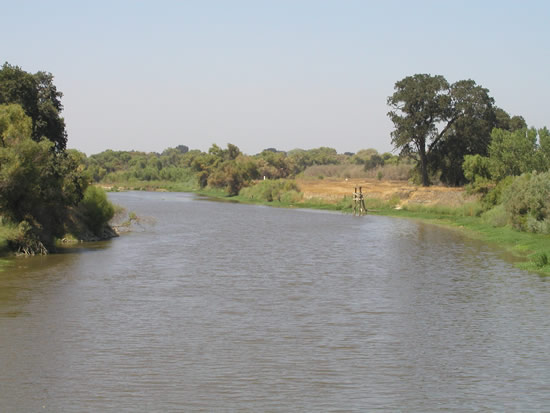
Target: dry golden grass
391	172
331	189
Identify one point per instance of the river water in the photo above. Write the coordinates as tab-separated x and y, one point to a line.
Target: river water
229	307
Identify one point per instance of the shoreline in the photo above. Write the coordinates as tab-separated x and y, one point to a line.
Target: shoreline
532	250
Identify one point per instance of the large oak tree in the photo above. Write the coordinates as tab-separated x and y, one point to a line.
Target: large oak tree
435	122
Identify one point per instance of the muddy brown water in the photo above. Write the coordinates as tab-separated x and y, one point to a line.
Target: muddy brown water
228	307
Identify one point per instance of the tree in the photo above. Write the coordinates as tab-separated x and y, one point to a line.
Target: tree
470	133
14	125
301	158
514	153
40	100
362	156
431	116
37	185
544	146
274	164
477	171
419	104
182	148
504	121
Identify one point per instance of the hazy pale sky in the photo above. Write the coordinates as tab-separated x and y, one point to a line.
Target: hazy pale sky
147	75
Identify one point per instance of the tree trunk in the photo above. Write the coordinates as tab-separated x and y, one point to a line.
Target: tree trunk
424	166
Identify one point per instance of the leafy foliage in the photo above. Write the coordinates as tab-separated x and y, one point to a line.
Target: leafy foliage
96	209
527	202
477	171
233	174
268	190
14	125
514	153
40	100
439	123
40	186
228	169
37	184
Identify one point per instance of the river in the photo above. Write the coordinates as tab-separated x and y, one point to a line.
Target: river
230	307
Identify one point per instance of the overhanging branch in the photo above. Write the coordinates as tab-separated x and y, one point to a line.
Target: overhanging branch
445	129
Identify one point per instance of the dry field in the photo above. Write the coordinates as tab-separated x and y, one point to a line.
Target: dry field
335	189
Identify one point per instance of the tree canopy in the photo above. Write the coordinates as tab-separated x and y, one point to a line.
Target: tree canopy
438	123
37	184
39	98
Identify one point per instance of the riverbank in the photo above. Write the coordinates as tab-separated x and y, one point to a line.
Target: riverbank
76	228
448	207
452	208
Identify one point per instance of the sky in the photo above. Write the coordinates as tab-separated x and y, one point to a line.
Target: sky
284	74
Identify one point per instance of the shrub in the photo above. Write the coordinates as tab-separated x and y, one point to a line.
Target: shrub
527	202
393	172
538	226
26	239
494	196
273	190
540	259
96	209
496	217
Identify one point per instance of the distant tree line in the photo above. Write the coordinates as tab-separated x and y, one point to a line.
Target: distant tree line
227	168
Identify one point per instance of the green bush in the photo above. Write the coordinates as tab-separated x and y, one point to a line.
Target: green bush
496	217
527	202
290	197
538	226
494	196
38	186
540	259
273	190
26	239
96	209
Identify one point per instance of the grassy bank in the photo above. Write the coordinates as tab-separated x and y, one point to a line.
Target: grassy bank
533	249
